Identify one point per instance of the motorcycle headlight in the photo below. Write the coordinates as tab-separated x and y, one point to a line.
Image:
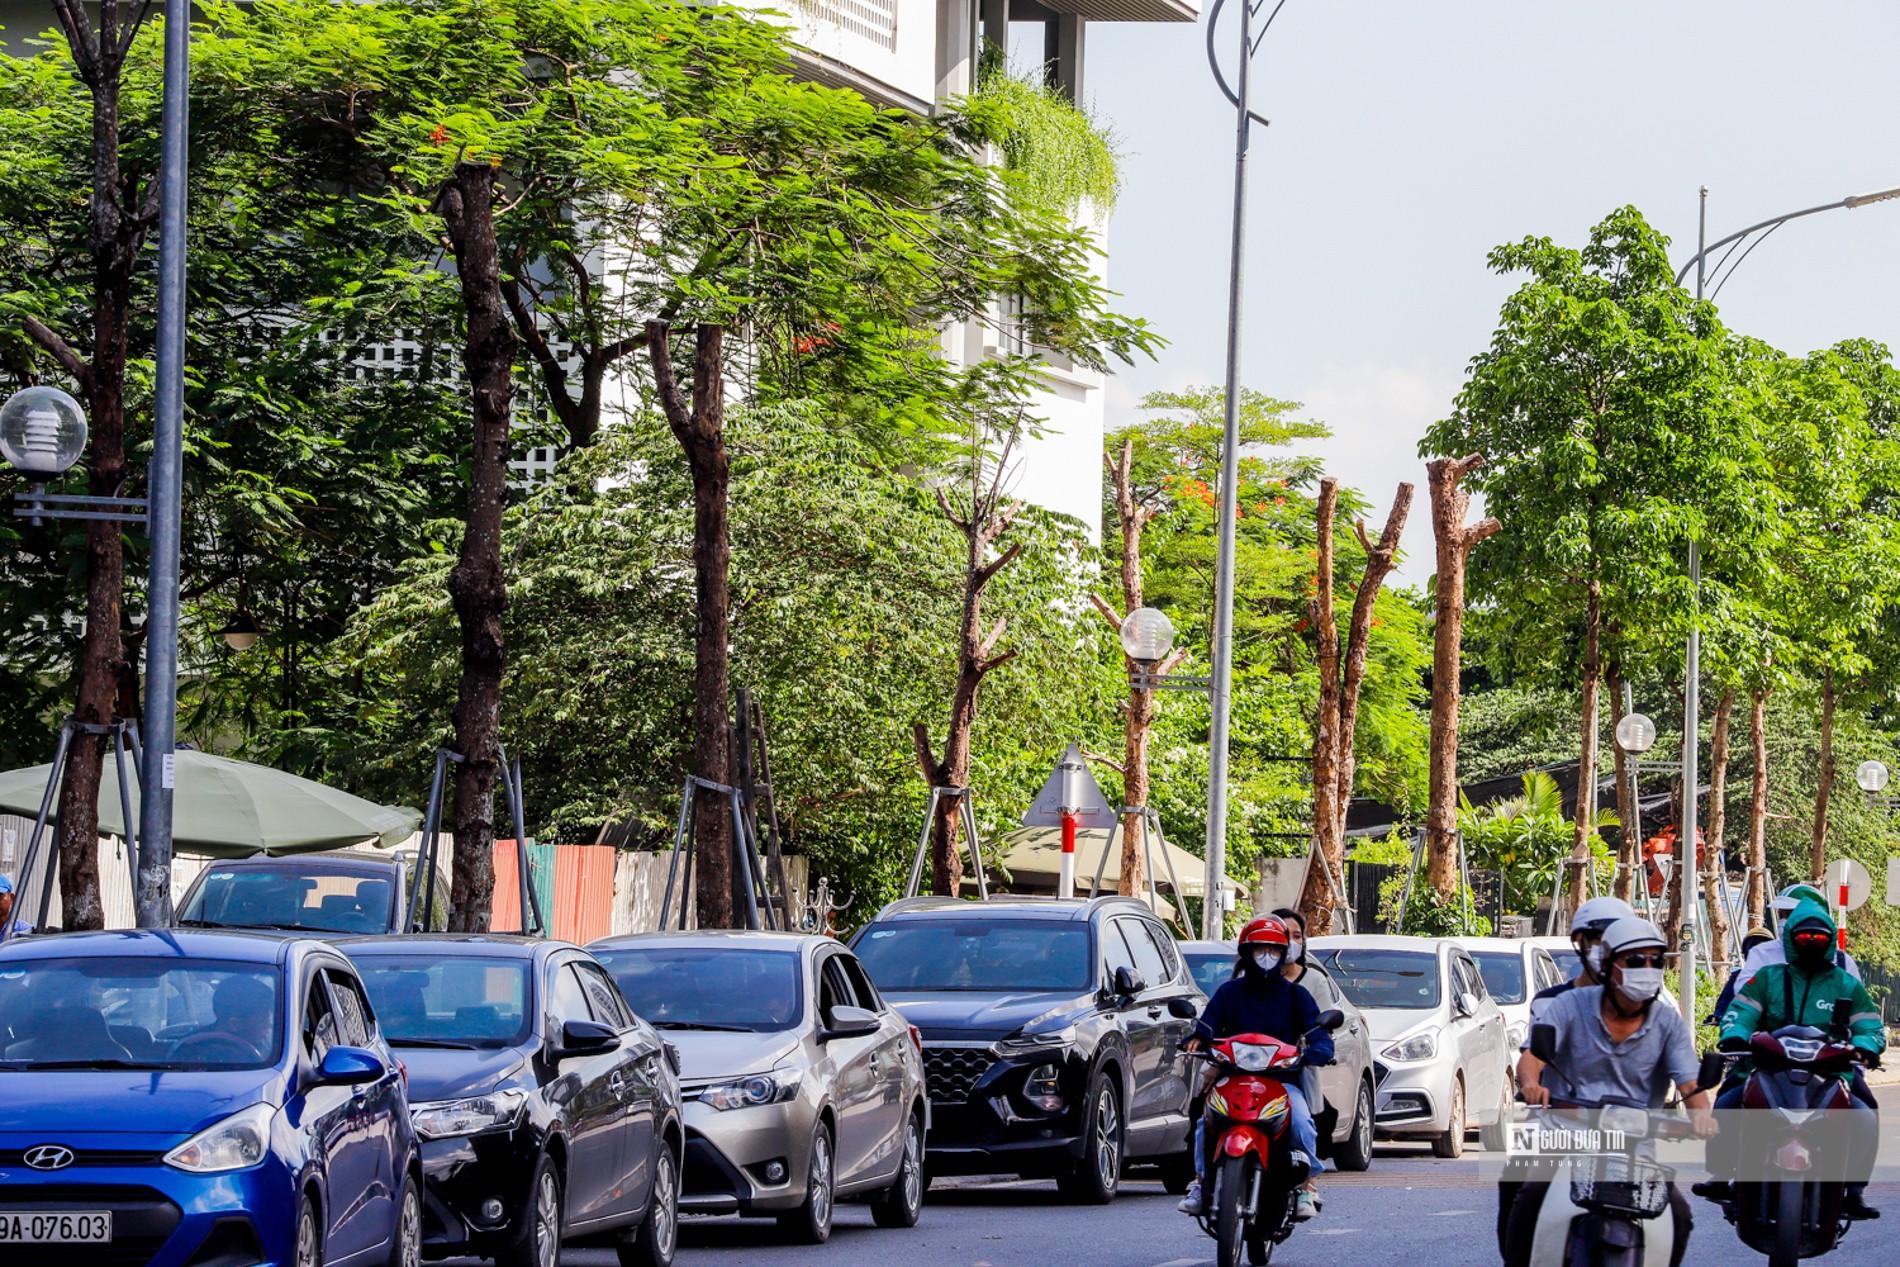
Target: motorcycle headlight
761	1088
1251	1056
446	1119
237	1143
1019	1044
1417	1047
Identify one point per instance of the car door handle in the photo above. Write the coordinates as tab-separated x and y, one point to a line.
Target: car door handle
618	1083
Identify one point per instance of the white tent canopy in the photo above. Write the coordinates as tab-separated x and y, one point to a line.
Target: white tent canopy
1032	855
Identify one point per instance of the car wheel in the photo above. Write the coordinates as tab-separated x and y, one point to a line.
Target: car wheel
1452	1142
309	1251
1095	1178
653	1243
539	1244
902	1203
1496	1137
810	1223
1356	1152
405	1245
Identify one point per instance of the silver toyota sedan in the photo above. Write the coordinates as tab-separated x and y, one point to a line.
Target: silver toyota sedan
799	1085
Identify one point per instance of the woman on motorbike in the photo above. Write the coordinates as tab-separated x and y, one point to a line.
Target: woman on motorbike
1259	1000
1613	1042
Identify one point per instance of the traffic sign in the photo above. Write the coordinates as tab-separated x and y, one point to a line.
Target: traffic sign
1072	789
1856	879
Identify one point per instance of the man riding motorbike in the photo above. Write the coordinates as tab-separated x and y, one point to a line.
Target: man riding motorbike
1586	936
1613	1042
1771	950
1803	990
1259	1000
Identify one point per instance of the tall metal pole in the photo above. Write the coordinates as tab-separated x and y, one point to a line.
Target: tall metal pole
165	477
1220	693
1691	714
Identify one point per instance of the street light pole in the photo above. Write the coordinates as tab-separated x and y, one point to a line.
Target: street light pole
1691	701
1220	691
166	478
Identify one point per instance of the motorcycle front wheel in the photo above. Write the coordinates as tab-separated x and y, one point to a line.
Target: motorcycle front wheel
1231	1231
1785	1249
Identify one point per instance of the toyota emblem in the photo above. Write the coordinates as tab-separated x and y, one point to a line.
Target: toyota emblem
49	1157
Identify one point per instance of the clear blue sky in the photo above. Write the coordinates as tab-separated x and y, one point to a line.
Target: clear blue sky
1409	137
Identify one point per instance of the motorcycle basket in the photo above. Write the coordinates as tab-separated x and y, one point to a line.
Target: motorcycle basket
1625	1185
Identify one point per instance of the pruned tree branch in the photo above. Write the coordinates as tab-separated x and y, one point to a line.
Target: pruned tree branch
61	351
1108	613
983	669
926	761
1002	561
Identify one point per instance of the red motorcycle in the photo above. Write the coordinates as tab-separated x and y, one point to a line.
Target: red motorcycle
1250	1192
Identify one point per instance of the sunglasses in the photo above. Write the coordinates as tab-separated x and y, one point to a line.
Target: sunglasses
1644	961
1813	939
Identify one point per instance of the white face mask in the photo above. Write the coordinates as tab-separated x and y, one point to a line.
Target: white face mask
1295	951
1266	960
1593	958
1642	984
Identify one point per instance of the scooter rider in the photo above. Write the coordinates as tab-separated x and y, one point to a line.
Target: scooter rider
1614	1042
1803	990
1586	936
1258	1000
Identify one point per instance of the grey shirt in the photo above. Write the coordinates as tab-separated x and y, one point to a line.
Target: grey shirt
1640	1069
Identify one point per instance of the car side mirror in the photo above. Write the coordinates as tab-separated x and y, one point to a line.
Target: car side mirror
1182	1009
1544	1042
1467	1003
1128	982
584	1038
849	1022
350	1067
1331	1019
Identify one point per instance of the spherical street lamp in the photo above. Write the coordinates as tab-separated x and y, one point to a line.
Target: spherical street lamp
1872	776
242	632
42	432
1636	734
1146	635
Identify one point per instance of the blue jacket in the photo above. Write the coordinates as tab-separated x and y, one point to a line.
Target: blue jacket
1267	1003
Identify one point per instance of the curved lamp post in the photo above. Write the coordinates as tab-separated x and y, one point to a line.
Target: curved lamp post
1691	701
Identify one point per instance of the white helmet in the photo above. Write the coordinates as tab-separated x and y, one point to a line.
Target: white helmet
1632	933
1599	913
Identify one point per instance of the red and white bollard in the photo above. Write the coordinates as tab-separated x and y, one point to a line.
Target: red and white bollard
1065	872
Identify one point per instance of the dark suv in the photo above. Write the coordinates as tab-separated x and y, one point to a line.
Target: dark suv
1052	1032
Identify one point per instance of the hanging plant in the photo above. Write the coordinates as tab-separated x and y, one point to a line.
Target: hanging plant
1059	154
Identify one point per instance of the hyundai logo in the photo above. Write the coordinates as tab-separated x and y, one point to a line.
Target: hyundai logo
49	1157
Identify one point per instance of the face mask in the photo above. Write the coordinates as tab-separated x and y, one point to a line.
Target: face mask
1642	984
1295	951
1266	960
1811	957
1593	958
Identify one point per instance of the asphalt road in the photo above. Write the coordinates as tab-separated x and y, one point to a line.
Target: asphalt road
1407	1209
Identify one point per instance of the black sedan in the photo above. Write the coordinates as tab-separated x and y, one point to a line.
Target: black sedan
547	1111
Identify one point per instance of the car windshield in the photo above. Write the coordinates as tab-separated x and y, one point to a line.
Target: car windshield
977	954
424	1001
1210	971
708	987
1503	973
139	1012
322	903
1569	963
1384	978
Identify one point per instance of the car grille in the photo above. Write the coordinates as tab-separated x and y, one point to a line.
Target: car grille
951	1072
1379	1071
142	1220
90	1157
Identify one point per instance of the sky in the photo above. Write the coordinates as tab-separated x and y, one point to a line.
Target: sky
1409	137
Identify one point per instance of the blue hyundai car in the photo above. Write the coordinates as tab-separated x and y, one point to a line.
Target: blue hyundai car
199	1099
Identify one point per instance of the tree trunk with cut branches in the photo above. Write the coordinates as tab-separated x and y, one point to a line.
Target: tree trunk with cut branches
1317	899
1580	852
698	424
1758	809
1629	849
1824	784
477	588
124	210
1714	877
1455	540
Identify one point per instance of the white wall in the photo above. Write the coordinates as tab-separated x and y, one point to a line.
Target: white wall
892	43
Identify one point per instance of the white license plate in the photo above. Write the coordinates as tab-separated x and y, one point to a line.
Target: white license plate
55	1226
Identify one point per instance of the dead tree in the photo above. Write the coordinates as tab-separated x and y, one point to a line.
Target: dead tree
1455	540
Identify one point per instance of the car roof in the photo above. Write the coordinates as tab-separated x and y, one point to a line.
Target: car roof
1011	906
757	939
452	945
1492	943
1378	941
244	946
1207	948
309	863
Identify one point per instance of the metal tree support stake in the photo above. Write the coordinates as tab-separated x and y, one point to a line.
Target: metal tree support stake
967	817
746	857
1151	825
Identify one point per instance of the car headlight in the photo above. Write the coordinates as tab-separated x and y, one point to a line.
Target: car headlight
1417	1047
237	1143
761	1088
445	1119
1018	1044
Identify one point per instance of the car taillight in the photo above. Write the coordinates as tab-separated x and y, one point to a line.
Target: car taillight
917	1040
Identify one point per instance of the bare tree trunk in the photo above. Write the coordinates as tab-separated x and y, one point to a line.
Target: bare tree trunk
123	210
1141	704
1714	874
1817	853
477	589
1587	750
1758	809
1316	900
1455	540
1629	848
699	426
